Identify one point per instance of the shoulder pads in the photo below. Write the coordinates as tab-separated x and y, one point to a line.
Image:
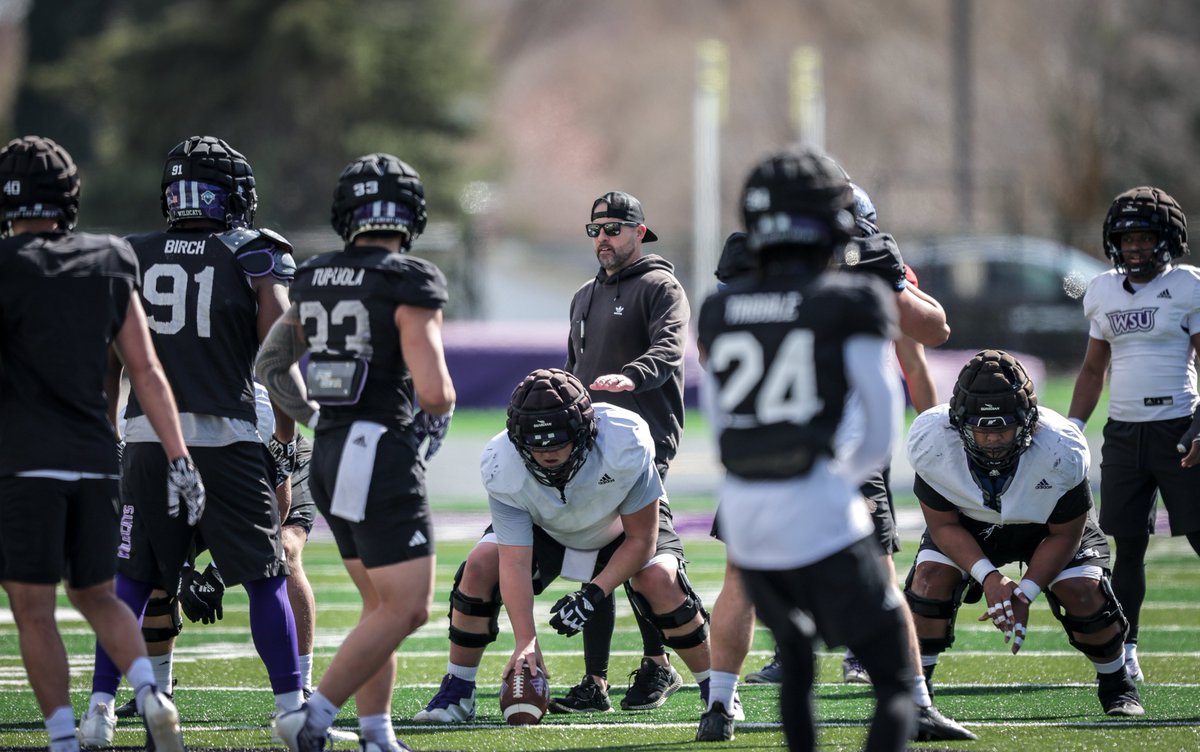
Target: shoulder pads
260	251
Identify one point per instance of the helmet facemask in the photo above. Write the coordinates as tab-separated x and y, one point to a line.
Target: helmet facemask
549	410
1145	209
994	394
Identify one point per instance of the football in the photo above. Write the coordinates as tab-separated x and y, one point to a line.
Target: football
524	697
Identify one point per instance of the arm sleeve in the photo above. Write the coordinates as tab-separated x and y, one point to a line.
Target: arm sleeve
931	498
667	329
1073	503
513	527
648	488
866	358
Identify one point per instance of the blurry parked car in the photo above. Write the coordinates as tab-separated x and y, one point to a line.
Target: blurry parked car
1009	291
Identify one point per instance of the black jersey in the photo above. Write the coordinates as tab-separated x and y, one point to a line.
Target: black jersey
347	304
203	318
63	298
776	349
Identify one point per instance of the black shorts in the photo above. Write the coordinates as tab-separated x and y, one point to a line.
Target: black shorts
877	490
303	511
240	526
51	529
1006	544
396	526
1138	460
846	596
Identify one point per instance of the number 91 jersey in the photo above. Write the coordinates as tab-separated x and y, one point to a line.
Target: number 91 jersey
347	304
775	350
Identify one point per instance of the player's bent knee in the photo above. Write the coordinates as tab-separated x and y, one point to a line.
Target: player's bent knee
468	605
159	607
1104	618
681	616
692	639
933	608
481	571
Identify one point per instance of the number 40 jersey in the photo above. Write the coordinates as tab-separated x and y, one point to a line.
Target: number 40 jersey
775	348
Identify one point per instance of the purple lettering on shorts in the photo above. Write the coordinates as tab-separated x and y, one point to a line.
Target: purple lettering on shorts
126	531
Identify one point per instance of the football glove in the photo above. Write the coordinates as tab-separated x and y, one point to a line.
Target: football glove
574	609
434	428
285	459
184	487
200	594
1190	435
878	255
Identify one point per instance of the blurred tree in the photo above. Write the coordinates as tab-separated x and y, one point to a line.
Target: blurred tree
299	86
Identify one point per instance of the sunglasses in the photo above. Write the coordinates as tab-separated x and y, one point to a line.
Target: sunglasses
611	229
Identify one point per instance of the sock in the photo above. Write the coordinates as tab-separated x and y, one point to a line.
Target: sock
306	670
140	675
920	692
466	673
321	712
378	729
100	698
106	677
162	665
288	701
274	631
701	675
721	688
60	725
1131	651
928	664
1110	667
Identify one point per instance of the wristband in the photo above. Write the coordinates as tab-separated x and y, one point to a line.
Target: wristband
1078	423
1030	589
981	569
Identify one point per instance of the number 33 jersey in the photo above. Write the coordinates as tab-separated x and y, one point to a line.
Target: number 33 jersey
775	348
347	304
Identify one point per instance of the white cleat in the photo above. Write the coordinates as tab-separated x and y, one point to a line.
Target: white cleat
162	722
97	727
739	713
1132	666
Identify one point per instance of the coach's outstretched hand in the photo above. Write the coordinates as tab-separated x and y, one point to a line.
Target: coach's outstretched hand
185	488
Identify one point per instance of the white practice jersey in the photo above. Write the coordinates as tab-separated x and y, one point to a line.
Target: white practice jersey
1153	371
618	477
1055	462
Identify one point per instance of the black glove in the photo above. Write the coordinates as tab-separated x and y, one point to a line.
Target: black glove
1190	435
878	255
574	609
184	486
285	459
433	426
200	594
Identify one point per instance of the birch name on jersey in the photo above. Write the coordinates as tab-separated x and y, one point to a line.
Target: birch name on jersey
190	247
339	276
763	307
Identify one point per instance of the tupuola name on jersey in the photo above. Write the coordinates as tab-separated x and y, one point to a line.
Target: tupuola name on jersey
337	275
762	307
190	247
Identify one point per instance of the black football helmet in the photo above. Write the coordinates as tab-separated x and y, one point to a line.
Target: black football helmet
735	260
550	409
1146	209
801	199
206	178
38	180
866	220
379	193
994	391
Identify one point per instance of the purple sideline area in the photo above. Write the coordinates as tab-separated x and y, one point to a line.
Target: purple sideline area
488	359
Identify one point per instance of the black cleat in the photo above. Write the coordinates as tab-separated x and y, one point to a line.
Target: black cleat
716	725
585	697
129	709
933	726
651	686
1119	695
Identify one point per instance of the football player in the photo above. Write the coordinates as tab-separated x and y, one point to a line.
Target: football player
1002	480
783	347
1145	326
371	317
212	285
574	492
67	299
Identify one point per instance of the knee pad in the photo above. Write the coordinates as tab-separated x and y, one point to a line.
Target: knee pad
680	616
471	606
932	608
163	607
1108	614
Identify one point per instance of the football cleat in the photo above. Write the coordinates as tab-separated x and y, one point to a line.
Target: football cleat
772	673
97	727
453	703
933	726
293	730
1132	666
1118	695
585	697
716	724
651	686
163	733
853	671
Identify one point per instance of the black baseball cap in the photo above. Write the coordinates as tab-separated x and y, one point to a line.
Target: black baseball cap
625	207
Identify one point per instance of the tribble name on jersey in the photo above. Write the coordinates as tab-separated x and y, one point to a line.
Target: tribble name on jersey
762	307
337	275
190	247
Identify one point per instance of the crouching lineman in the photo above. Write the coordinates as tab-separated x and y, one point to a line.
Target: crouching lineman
573	493
1018	493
